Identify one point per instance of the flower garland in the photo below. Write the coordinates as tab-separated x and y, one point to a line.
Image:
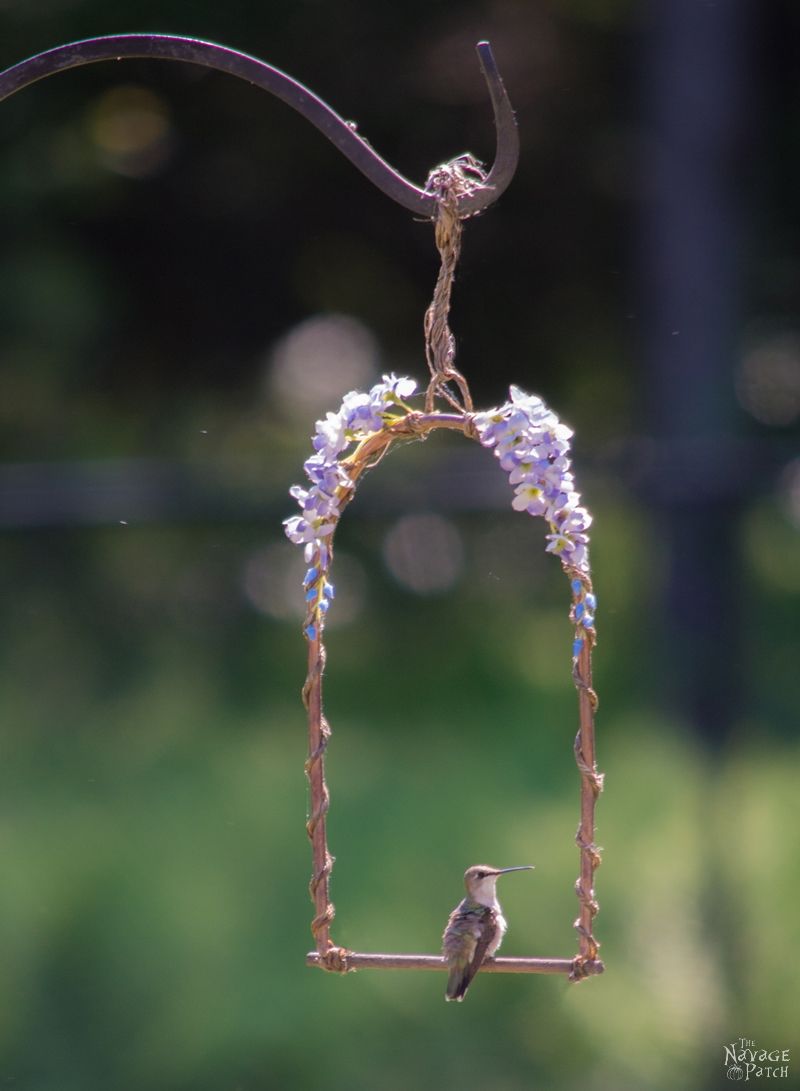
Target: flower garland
527	438
360	416
532	446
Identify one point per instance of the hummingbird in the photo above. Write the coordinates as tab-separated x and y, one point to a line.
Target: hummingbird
476	927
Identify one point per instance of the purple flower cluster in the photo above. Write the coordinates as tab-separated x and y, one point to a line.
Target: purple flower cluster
360	416
530	442
533	448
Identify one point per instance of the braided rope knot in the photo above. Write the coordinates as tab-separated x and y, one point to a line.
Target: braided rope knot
460	177
582	968
335	960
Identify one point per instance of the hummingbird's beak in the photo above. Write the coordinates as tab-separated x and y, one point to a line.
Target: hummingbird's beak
522	867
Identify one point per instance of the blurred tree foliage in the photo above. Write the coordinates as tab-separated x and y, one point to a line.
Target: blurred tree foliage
163	229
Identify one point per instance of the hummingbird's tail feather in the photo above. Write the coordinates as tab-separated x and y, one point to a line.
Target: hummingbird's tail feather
459	981
456	985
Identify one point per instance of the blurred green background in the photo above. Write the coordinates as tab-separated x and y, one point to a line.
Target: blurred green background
189	276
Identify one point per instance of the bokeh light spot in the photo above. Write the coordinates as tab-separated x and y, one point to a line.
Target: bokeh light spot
424	553
318	361
129	125
768	383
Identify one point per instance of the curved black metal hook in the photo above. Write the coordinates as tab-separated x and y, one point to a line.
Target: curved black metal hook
300	98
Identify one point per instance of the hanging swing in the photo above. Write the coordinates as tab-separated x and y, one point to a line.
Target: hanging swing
532	446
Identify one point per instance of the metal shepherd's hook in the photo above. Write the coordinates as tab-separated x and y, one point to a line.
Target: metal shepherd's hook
300	98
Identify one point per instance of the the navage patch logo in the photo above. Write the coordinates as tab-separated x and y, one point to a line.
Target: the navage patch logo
745	1061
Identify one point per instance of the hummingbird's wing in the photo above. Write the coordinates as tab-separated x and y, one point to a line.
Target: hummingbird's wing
466	941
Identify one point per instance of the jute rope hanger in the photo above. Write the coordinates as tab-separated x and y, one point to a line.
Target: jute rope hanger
448	182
